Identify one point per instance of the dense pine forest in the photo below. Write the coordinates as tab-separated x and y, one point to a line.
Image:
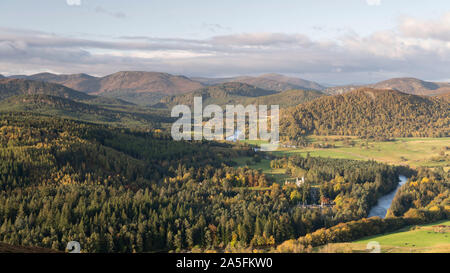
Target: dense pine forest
122	190
368	113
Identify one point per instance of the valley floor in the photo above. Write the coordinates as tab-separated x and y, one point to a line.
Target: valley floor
415	152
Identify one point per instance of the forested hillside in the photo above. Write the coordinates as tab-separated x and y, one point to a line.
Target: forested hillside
240	93
271	81
17	95
368	113
134	81
222	94
125	191
15	87
406	85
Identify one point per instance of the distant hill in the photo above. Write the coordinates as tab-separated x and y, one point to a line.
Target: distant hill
221	94
79	82
147	82
275	82
368	112
413	86
15	87
406	85
136	81
82	111
19	95
240	93
301	83
2	77
287	98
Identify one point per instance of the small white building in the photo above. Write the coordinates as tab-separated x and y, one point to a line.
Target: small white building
300	182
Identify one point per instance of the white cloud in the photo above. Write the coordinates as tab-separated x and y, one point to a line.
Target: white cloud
373	2
119	15
73	2
438	29
394	53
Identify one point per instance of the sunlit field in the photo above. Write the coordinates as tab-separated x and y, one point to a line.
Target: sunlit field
428	152
429	238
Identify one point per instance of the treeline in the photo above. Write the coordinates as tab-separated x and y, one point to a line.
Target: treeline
368	113
428	189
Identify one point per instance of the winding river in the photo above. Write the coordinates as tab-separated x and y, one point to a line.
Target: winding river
384	203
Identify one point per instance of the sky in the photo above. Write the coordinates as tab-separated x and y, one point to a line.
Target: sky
328	41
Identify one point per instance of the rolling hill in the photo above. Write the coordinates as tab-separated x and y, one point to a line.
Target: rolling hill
221	94
368	112
79	82
240	93
134	81
406	85
15	87
147	82
19	95
133	86
88	112
413	86
18	87
272	81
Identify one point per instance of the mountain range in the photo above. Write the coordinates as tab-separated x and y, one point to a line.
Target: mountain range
147	88
362	112
150	88
130	81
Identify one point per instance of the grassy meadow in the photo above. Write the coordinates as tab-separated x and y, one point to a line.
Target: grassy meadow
417	239
415	152
279	175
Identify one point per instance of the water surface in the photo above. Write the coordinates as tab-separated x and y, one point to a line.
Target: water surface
384	203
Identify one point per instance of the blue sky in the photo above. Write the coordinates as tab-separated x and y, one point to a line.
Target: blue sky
203	18
347	41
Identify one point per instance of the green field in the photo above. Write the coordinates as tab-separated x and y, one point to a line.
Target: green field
415	152
428	152
426	238
279	175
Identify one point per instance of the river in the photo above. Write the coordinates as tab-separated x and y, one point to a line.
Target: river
384	203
